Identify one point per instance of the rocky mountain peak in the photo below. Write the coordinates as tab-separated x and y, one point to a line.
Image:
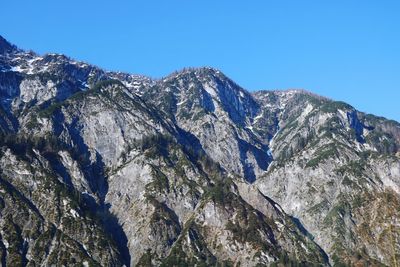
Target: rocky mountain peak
5	46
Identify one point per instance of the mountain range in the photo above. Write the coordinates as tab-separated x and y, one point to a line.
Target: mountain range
101	168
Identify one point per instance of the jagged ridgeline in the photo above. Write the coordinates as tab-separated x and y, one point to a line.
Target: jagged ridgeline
101	168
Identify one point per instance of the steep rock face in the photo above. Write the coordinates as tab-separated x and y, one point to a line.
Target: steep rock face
112	169
226	227
219	114
42	220
329	163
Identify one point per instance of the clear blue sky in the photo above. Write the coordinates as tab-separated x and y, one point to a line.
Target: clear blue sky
347	50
